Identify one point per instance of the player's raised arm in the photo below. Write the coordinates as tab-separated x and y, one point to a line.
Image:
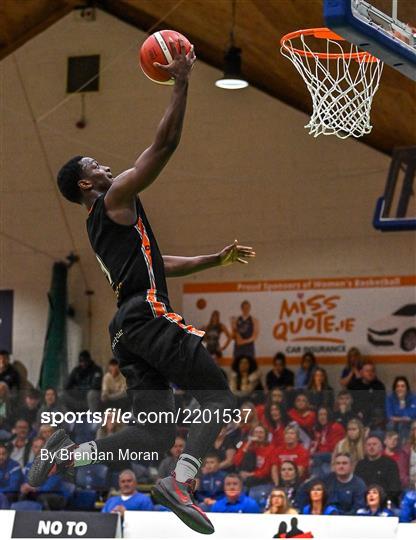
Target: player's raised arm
151	162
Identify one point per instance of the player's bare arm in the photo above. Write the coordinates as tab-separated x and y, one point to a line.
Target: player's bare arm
119	200
184	266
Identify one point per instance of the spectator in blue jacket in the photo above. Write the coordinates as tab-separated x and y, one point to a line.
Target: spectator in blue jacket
50	493
10	474
375	503
211	481
318	504
129	498
401	407
408	507
235	501
345	489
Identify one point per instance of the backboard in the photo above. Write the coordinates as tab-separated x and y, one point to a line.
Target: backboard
396	209
385	28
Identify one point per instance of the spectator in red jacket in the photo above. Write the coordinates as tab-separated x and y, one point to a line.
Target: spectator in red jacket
275	420
326	435
302	413
291	450
399	455
254	458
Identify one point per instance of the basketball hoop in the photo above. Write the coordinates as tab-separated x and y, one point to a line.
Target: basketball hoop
342	82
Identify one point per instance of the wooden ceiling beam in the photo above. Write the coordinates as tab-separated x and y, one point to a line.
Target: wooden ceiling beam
43	14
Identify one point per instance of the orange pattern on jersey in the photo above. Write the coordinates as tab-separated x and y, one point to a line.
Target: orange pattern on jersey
159	308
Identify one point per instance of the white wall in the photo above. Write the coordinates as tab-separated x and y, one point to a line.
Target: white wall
245	169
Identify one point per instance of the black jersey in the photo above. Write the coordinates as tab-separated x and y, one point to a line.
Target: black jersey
128	254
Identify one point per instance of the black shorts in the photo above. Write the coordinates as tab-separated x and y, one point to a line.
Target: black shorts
154	351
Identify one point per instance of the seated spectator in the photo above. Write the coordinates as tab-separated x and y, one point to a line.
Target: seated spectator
10	475
408	506
275	421
401	407
289	479
302	413
6	413
278	503
399	455
9	375
24	383
168	464
114	387
50	493
378	469
249	418
320	394
369	395
110	426
351	372
83	387
279	376
343	412
210	481
254	458
318	501
353	443
50	403
326	434
245	377
345	489
375	503
225	446
304	373
30	407
45	431
291	450
129	498
235	501
275	396
19	446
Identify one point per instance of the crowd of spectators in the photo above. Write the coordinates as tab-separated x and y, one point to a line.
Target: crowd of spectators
299	446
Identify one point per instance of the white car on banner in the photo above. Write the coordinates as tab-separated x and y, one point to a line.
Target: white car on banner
399	329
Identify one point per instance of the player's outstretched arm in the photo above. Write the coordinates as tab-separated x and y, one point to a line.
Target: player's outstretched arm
184	266
151	162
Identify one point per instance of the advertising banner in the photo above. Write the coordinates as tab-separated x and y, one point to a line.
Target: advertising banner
326	316
31	524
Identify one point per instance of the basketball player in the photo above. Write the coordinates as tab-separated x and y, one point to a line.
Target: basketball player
152	343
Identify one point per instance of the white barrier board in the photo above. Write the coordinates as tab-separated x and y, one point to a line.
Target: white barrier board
6	523
167	525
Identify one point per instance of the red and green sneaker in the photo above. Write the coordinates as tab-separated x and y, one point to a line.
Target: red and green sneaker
178	497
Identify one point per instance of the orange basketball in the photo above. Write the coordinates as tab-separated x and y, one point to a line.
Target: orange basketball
158	48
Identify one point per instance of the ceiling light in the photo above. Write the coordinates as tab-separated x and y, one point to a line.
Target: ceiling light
232	79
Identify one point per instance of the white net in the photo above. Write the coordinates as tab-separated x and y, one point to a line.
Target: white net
342	83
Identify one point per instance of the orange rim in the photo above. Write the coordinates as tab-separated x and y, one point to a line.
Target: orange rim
323	33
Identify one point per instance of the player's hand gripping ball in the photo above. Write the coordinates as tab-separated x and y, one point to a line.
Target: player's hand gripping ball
161	47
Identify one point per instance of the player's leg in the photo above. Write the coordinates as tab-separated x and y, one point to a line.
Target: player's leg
195	370
198	373
149	392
